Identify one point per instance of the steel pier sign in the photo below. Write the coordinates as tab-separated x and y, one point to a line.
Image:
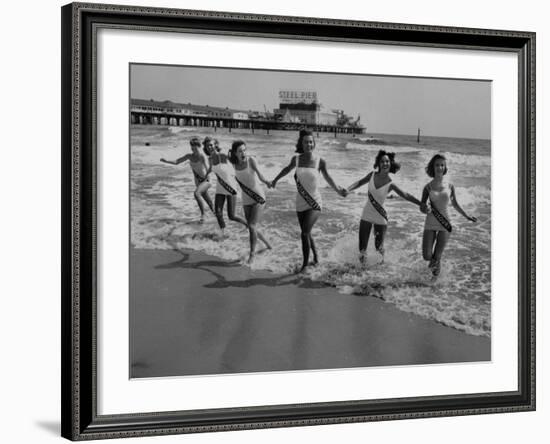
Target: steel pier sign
293	96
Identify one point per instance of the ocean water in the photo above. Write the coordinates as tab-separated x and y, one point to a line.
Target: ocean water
164	215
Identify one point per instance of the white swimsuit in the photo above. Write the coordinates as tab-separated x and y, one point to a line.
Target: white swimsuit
226	183
370	213
252	191
307	181
439	199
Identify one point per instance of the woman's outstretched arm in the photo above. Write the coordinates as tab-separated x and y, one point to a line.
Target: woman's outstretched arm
323	167
284	172
177	161
360	182
424	200
458	207
254	166
405	195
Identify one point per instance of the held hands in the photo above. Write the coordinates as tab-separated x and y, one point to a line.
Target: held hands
342	191
424	208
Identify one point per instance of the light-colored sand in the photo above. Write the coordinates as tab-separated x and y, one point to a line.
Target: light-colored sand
196	314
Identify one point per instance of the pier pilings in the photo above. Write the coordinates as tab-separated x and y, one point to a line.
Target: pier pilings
143	118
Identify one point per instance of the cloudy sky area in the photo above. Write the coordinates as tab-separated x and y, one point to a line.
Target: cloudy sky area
391	105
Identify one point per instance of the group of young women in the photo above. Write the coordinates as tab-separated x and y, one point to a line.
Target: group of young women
238	170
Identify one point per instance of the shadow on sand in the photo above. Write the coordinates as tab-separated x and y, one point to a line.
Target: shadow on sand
222	282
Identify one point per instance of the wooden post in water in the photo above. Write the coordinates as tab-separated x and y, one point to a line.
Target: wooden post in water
418	136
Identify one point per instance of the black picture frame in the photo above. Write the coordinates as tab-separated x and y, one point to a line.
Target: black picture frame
80	420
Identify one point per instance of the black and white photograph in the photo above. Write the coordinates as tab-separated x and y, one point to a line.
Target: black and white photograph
293	220
316	296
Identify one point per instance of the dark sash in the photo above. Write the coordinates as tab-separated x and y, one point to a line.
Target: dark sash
251	193
228	187
199	178
307	197
440	218
377	206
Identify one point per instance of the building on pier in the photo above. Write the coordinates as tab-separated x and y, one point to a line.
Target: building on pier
181	114
296	110
303	107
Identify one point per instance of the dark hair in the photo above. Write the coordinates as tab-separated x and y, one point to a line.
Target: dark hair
195	141
430	169
394	166
233	151
204	142
303	133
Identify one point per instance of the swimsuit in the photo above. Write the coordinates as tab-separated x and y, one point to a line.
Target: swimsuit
199	171
307	182
374	211
226	183
438	218
252	191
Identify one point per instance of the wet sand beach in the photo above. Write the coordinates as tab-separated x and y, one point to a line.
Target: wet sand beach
195	314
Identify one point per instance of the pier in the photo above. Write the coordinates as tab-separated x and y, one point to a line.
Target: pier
143	118
150	112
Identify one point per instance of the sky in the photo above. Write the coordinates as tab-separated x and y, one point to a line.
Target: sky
386	104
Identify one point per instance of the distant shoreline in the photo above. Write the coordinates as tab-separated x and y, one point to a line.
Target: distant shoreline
351	136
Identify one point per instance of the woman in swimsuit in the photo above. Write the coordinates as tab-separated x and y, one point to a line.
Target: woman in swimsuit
198	164
437	228
308	197
253	196
374	214
226	186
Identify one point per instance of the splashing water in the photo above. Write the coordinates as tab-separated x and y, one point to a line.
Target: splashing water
164	215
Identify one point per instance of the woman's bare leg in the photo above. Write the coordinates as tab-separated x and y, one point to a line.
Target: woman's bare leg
428	240
231	204
219	202
307	220
208	201
202	193
364	233
442	237
379	236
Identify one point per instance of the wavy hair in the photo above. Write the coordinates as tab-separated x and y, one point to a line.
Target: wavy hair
303	133
430	169
394	166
